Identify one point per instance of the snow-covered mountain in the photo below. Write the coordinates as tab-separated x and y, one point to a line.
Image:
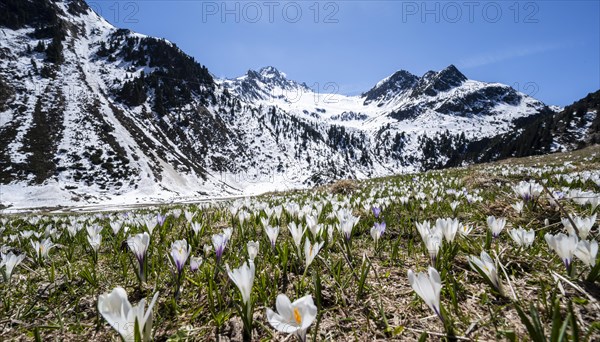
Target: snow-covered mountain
90	112
265	84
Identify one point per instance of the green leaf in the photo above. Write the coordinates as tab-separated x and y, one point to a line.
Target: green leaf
574	327
535	318
531	328
563	329
136	332
510	335
318	290
363	277
594	274
555	321
398	330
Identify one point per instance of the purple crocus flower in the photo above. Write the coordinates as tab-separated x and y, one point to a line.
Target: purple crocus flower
376	211
161	219
219	241
381	226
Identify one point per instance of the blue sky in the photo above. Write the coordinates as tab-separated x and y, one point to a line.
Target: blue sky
548	49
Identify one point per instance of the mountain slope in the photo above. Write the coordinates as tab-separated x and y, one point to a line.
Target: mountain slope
576	126
90	112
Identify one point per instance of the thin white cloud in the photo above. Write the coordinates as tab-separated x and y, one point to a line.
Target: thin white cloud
505	54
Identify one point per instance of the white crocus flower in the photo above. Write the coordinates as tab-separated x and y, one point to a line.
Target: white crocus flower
522	237
297	232
330	233
563	245
518	207
465	229
278	211
593	201
583	224
95	241
428	288
73	229
9	262
121	315
94	237
433	243
195	263
312	222
42	248
243	216
207	248
176	213
196	227
272	233
496	225
189	216
454	205
347	222
268	211
310	251
180	251
150	223
138	244
293	318
528	191
116	226
252	250
586	251
227	232
243	278
26	234
93	230
377	231
448	227
486	265
424	229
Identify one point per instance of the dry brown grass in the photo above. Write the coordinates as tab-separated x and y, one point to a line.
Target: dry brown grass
343	187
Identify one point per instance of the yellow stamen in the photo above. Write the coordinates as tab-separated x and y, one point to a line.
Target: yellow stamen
297	316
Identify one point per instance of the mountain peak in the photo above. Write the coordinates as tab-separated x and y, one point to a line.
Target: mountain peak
434	82
271	72
451	73
387	88
262	84
267	74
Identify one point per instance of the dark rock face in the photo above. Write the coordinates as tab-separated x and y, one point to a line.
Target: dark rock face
399	82
433	83
480	102
16	14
